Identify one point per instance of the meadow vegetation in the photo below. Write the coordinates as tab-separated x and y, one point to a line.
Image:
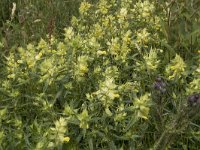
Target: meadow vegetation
99	74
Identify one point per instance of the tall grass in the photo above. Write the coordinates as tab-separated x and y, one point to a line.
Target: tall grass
34	19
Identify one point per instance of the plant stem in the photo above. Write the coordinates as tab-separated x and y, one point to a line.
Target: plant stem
163	141
168	134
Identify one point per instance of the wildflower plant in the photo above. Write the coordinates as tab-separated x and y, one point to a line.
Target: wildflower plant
99	86
176	69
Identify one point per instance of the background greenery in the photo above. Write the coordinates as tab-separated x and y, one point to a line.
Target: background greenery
127	77
34	19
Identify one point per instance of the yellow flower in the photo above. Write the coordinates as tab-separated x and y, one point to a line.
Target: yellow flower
84	7
142	104
69	33
101	52
38	56
143	36
66	139
176	68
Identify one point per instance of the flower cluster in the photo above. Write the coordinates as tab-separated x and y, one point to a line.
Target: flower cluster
107	92
58	133
81	67
84	118
177	68
142	105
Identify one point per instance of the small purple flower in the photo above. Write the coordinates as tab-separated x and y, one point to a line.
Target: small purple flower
194	99
159	85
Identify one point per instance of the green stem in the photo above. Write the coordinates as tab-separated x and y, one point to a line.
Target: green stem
166	136
163	141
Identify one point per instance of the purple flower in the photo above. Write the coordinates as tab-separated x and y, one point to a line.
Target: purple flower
194	99
159	85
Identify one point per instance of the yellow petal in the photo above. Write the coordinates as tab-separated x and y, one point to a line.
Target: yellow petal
66	139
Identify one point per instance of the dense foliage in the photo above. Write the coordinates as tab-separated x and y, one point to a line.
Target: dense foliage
122	77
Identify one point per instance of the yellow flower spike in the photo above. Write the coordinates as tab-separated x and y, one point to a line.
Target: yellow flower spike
66	139
84	7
